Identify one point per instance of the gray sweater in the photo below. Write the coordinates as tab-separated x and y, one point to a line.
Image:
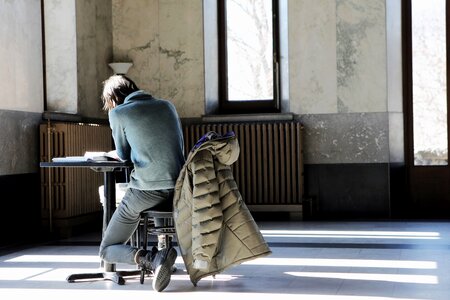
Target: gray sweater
148	132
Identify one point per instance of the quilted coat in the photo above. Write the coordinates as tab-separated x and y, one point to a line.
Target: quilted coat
215	229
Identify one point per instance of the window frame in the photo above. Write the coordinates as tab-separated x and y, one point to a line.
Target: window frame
252	106
408	84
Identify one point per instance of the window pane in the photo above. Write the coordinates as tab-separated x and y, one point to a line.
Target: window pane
429	82
249	50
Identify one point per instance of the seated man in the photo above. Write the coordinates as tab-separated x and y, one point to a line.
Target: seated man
148	132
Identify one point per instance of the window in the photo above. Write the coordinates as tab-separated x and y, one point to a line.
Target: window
248	47
428	65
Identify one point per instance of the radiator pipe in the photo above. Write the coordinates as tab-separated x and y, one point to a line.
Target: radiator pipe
50	186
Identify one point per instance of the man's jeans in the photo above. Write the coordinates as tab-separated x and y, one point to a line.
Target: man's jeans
125	221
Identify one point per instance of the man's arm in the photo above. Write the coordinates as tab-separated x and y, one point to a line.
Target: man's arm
123	149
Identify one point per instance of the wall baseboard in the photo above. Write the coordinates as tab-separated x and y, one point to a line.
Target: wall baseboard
20	213
348	191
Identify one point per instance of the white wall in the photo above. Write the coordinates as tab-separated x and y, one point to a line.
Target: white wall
21	75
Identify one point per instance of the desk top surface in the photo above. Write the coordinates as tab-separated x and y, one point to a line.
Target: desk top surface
87	164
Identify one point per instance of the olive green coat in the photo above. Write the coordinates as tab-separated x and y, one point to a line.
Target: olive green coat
215	230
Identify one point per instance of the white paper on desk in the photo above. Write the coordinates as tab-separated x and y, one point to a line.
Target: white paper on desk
102	156
69	159
94	156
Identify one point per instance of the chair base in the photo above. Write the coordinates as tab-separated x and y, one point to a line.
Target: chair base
117	276
154	223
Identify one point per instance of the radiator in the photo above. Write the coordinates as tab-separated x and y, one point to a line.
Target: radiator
71	192
269	171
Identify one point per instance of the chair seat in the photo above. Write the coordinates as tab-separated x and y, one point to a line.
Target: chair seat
157	213
158	222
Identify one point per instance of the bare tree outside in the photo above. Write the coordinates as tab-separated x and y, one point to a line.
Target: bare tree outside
249	50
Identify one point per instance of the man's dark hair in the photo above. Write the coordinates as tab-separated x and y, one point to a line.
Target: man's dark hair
115	89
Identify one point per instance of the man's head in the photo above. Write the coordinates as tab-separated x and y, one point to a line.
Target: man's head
115	89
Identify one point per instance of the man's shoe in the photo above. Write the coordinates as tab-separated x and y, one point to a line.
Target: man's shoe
145	259
163	262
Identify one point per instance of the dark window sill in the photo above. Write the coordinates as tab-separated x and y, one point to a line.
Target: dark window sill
248	117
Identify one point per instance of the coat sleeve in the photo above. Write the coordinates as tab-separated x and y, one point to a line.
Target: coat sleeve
207	215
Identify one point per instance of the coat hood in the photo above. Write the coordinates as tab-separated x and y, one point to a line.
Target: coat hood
225	148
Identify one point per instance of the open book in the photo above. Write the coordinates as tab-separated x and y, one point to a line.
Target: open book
90	156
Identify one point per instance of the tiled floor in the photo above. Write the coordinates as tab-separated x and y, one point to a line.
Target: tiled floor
310	260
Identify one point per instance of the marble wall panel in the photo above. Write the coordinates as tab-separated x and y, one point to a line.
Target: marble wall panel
361	55
19	146
394	56
346	138
164	40
312	56
7	53
136	39
21	70
61	55
78	37
181	55
396	138
86	57
395	81
93	26
104	46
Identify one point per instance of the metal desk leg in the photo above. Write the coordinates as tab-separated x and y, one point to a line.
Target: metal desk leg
109	272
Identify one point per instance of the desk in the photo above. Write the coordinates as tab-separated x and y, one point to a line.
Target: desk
108	169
